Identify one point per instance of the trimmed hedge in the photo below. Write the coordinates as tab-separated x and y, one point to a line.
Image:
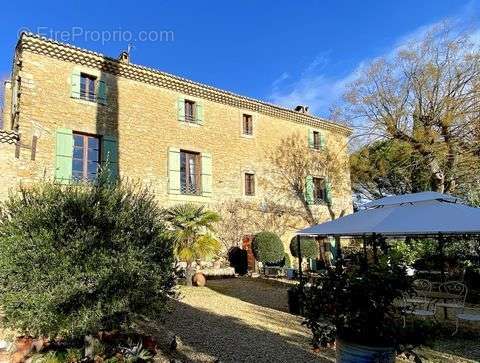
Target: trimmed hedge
308	247
267	247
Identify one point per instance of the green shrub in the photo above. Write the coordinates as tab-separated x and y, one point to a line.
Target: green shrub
267	247
77	259
286	261
308	247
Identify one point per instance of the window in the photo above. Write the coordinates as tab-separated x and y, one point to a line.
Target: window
86	157
318	190
247	124
249	184
190	166
190	111
87	87
316	140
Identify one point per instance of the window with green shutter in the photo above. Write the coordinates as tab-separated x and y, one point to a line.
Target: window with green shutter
79	155
87	87
190	111
316	139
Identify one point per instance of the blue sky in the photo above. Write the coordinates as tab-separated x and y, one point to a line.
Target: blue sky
287	52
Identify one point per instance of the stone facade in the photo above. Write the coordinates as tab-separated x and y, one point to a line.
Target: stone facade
141	112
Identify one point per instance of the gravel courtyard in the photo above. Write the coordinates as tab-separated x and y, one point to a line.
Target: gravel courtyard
246	320
239	320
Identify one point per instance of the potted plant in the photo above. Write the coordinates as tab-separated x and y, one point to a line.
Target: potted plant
355	310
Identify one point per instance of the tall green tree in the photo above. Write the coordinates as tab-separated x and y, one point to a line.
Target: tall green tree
426	96
387	167
193	231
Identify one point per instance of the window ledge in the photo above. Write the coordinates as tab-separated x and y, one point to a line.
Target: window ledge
189	197
247	136
190	124
87	102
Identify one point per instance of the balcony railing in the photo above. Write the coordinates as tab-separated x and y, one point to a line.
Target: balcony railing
190	189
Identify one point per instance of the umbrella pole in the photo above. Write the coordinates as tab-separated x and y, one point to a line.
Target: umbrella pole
338	248
441	248
299	253
375	248
365	256
300	276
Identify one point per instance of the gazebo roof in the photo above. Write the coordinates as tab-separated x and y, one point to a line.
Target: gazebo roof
418	214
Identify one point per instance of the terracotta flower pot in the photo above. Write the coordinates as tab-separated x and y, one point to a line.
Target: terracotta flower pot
24	344
199	279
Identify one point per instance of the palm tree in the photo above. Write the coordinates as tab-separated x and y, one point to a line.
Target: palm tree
192	228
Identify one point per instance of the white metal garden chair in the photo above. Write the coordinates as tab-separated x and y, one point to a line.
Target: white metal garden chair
419	306
421	287
467	315
456	293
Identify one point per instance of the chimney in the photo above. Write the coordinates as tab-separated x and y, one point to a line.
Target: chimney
301	109
124	57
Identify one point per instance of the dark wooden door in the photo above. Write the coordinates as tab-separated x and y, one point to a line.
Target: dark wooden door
247	246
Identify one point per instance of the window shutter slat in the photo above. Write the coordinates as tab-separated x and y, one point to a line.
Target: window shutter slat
309	190
199	111
207	174
173	170
75	84
102	92
110	156
181	109
64	155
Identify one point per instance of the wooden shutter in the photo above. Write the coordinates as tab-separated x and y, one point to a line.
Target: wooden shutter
181	109
102	93
311	142
173	170
75	84
322	140
206	174
309	190
328	192
110	156
64	155
199	112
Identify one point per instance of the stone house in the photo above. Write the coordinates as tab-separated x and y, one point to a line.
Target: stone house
68	110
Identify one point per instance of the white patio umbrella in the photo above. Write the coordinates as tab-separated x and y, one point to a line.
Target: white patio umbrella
418	214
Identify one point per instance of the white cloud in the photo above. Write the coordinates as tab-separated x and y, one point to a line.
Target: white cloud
315	89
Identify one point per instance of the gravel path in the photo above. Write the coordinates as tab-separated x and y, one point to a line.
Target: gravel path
239	320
